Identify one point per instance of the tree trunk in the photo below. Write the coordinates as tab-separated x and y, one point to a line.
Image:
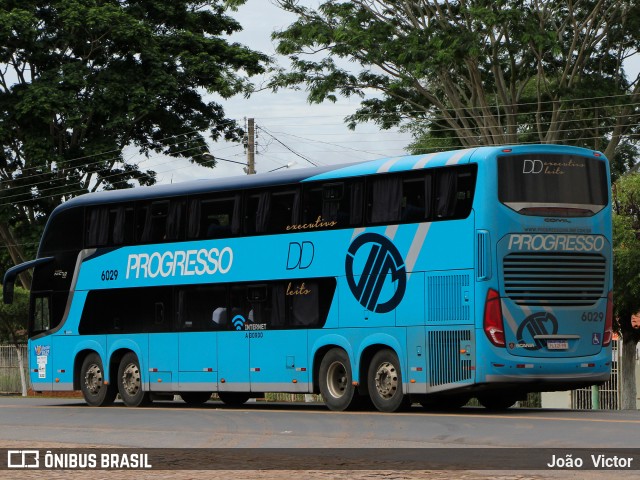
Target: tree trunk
628	374
23	380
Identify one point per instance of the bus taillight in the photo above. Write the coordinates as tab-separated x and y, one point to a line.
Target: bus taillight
493	325
608	323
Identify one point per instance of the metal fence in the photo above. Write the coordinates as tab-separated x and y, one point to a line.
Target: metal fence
10	370
609	394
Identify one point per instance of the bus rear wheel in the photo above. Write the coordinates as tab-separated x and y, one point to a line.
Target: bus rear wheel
195	398
130	382
234	399
94	390
336	380
385	382
497	400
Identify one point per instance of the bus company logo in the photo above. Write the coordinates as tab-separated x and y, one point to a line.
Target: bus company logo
383	263
541	323
179	263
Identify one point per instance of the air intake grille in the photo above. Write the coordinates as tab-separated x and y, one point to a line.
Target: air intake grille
446	365
558	279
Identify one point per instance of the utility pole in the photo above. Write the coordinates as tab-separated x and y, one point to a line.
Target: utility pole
251	147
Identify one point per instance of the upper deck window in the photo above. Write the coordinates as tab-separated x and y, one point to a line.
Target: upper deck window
425	195
552	185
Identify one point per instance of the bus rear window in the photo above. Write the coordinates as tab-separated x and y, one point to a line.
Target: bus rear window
552	185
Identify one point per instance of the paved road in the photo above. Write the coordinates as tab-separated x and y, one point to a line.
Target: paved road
170	424
49	423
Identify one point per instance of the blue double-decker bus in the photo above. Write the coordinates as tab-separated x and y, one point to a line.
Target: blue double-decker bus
433	278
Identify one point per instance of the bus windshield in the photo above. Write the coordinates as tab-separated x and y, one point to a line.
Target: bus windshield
552	185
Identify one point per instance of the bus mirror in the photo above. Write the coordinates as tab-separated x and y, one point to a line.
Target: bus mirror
7	292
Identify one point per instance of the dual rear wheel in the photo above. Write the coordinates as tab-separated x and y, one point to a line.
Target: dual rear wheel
384	382
128	382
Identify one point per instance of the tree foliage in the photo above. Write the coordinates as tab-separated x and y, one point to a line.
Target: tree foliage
13	318
474	72
82	79
626	241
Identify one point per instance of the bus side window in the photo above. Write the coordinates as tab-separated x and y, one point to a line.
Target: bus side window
454	192
214	217
284	210
121	225
97	234
385	199
202	308
41	313
160	221
272	211
416	197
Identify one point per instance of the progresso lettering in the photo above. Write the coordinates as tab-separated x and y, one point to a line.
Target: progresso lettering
179	263
562	243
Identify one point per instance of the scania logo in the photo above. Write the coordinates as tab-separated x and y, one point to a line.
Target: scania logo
541	323
381	264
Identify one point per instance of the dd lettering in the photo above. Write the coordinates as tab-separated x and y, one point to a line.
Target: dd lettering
532	166
300	255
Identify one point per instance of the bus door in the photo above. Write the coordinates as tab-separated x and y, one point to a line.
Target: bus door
233	343
163	348
201	312
282	313
40	350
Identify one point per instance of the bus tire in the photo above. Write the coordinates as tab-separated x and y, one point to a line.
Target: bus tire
385	382
336	380
195	398
130	382
94	390
234	399
497	400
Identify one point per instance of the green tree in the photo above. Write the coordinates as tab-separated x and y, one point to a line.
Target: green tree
473	72
82	79
13	328
626	281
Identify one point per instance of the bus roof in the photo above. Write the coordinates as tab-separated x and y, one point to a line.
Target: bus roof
332	172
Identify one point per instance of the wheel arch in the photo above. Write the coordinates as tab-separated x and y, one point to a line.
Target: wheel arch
320	349
369	348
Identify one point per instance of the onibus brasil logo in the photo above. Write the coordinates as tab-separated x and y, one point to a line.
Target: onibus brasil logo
383	264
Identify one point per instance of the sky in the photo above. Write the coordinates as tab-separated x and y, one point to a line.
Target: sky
291	132
316	133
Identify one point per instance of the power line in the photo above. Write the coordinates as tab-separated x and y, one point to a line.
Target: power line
287	147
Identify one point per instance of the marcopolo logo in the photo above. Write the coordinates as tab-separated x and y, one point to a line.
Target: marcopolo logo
383	266
541	323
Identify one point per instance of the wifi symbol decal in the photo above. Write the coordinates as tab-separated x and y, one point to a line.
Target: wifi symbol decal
238	322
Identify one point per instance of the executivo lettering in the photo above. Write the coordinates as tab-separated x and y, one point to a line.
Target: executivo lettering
180	263
561	243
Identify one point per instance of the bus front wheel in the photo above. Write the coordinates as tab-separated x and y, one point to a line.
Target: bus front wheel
234	399
94	390
130	382
385	382
336	381
195	398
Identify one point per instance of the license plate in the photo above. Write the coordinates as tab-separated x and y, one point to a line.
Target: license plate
557	345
